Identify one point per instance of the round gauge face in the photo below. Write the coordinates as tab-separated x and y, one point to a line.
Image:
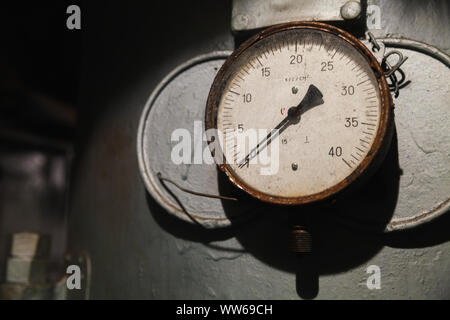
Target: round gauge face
301	112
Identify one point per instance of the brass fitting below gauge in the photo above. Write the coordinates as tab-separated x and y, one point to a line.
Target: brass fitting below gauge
301	240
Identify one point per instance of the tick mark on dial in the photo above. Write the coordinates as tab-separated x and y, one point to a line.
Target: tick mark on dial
346	163
363	82
360	150
335	53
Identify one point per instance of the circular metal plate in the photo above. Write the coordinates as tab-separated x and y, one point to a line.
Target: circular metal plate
179	102
422	118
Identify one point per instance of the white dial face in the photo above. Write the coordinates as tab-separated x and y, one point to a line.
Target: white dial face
319	143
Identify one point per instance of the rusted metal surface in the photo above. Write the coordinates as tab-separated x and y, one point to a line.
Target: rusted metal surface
379	146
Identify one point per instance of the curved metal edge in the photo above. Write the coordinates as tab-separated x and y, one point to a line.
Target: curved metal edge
379	146
150	180
404	43
410	223
444	207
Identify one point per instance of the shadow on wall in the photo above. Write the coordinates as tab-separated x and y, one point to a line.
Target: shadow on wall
346	234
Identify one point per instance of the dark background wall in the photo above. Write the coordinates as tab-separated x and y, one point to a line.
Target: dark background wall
39	82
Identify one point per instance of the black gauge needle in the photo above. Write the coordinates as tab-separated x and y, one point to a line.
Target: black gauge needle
312	98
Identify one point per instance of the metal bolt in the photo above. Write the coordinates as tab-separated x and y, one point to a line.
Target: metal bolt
294	166
351	10
240	22
301	240
294	90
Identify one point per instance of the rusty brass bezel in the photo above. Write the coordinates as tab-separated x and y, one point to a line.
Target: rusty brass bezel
381	142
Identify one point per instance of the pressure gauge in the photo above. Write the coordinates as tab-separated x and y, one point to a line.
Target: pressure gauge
318	104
